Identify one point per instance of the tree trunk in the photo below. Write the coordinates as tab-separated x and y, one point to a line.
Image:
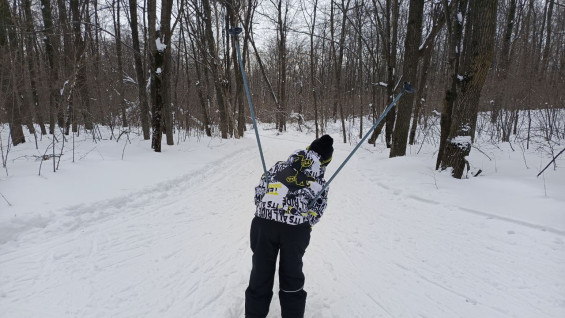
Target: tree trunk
338	61
420	100
50	41
80	48
502	73
312	69
156	60
233	8
545	60
118	38
7	46
477	59
200	79
140	74
31	65
281	46
455	33
390	41
166	35
410	73
214	63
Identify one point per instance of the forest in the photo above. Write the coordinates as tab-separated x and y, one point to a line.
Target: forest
169	68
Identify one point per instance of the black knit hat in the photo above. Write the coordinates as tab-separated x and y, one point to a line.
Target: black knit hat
323	146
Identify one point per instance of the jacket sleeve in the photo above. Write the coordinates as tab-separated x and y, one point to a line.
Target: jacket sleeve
260	190
317	210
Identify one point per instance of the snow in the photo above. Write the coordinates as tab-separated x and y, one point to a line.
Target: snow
463	142
166	234
62	90
160	45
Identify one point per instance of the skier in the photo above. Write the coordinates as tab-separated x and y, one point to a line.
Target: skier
282	223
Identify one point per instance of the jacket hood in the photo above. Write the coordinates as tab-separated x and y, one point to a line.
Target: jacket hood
308	162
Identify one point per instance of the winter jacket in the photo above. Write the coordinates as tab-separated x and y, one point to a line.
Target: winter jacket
292	185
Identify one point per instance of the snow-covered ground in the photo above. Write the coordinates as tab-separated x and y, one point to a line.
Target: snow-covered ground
166	235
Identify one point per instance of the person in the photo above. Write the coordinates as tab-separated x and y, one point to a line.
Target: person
282	224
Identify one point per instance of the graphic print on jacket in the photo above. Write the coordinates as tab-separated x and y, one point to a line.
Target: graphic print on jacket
292	184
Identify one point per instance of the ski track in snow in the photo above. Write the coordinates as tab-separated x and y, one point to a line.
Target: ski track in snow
181	249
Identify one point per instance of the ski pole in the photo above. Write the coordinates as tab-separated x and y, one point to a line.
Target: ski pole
406	88
235	32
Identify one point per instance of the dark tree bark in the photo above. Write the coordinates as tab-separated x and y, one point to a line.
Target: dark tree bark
166	35
390	43
160	47
215	66
67	60
156	59
410	73
420	97
455	33
502	72
31	64
139	71
233	9
50	40
198	51
426	51
549	33
7	46
282	29
120	69
338	61
80	48
477	58
312	69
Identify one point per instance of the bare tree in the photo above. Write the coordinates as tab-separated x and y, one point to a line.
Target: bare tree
389	34
338	61
120	68
50	41
7	47
30	50
139	71
476	60
216	68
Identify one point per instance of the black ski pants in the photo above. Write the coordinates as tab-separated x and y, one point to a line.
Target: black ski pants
267	239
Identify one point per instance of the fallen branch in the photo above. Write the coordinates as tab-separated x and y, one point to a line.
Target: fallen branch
475	147
550	162
10	204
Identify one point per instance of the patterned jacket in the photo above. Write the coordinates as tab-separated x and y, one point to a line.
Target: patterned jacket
292	185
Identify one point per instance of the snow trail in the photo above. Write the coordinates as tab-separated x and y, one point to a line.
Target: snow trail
384	248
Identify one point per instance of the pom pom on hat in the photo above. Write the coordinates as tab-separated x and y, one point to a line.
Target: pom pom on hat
324	147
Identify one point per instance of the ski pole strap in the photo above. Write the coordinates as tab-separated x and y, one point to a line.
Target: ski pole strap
235	32
406	88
